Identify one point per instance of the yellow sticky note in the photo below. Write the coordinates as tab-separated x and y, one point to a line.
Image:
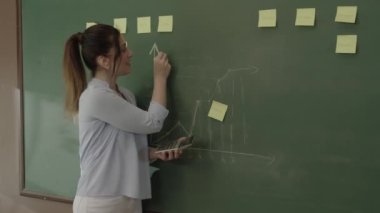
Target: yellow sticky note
120	24
346	44
305	17
90	24
217	110
165	24
143	24
267	18
346	14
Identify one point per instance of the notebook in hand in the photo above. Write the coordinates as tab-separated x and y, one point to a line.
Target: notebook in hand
181	143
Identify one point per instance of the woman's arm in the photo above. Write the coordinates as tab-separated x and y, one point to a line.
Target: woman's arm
111	108
161	72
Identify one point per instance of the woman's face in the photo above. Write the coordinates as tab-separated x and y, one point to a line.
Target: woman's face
124	63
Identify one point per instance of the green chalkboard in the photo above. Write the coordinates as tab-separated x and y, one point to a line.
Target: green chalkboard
301	133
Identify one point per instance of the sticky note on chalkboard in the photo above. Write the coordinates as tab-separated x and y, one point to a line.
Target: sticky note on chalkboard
143	25
165	24
346	44
346	14
120	24
305	17
90	24
267	18
217	110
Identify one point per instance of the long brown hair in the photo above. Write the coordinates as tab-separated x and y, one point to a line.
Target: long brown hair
93	42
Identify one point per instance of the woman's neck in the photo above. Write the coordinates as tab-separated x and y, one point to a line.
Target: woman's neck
111	82
104	77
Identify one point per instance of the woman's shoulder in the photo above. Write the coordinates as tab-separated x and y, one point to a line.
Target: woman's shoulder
93	95
128	94
96	95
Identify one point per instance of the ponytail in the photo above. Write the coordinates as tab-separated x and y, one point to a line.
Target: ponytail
74	74
93	42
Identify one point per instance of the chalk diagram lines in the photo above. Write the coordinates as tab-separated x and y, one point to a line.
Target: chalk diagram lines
222	137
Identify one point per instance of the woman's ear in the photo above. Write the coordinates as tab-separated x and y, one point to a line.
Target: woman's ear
103	62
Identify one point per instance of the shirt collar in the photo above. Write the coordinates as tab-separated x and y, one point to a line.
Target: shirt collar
98	82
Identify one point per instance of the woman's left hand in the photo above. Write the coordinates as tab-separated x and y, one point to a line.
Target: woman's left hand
169	155
165	156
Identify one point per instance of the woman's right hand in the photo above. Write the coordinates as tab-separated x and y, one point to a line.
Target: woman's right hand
161	66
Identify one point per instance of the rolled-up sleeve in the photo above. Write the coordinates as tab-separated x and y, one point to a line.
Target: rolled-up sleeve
111	108
157	109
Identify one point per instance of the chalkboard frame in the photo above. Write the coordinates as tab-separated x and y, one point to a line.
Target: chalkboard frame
23	191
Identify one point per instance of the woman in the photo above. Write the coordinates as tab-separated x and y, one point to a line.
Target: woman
114	153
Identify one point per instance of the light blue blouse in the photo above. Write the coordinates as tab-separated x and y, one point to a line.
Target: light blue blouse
113	148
